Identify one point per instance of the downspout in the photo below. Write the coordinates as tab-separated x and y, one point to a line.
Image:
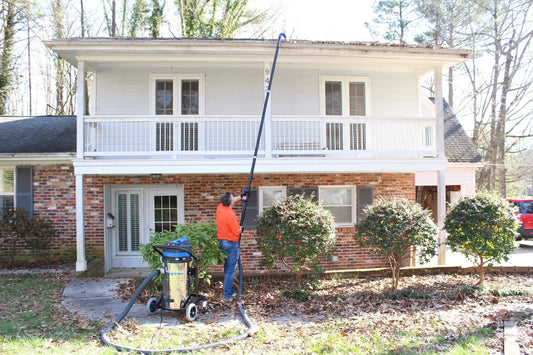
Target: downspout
441	175
81	261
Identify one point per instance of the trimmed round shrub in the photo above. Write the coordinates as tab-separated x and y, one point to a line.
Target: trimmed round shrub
483	228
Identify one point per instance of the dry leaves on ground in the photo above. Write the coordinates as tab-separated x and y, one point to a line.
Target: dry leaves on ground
450	304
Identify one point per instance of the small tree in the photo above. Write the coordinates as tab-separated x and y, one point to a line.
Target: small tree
204	243
297	230
483	228
393	227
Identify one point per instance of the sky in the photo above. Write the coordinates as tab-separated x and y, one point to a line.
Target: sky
331	20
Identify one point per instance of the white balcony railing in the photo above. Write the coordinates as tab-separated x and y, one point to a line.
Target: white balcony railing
146	137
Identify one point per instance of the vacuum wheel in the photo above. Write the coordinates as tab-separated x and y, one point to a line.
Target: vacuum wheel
151	305
191	312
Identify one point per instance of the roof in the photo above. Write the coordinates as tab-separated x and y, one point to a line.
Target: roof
38	134
458	146
93	51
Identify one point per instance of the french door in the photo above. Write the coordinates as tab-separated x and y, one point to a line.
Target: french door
139	212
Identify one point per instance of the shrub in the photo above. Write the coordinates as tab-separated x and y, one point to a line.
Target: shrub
393	227
17	230
204	242
295	233
483	228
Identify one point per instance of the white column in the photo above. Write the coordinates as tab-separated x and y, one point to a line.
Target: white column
80	96
441	175
267	129
81	262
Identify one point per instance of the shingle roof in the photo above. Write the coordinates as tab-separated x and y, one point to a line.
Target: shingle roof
39	134
458	146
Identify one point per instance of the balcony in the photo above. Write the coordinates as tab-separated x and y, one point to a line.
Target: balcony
201	137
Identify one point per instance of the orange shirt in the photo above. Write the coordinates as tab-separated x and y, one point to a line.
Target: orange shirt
227	224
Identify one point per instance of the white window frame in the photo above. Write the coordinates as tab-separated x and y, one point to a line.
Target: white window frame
353	190
12	193
345	91
176	79
262	189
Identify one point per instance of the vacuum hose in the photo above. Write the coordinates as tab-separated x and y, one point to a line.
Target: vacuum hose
126	310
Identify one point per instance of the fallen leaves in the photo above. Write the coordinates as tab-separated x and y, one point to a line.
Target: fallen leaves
447	306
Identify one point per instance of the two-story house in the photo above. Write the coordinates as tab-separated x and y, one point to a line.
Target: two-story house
172	124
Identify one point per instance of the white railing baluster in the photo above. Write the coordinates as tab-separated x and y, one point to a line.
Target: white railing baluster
236	136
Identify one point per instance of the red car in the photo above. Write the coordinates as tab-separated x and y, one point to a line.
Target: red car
525	216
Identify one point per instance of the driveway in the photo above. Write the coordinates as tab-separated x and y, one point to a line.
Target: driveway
522	256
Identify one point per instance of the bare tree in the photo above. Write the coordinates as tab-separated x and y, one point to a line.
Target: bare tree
12	13
509	88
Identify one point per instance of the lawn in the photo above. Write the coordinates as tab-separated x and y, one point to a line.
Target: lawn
429	314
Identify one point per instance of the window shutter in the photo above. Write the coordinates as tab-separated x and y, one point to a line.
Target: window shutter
252	210
365	197
24	189
307	192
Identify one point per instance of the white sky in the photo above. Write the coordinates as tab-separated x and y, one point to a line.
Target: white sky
322	20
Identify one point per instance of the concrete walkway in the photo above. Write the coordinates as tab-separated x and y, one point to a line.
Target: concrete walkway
96	299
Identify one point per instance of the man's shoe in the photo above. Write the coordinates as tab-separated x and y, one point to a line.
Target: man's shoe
230	298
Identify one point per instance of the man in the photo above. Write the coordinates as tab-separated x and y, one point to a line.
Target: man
228	233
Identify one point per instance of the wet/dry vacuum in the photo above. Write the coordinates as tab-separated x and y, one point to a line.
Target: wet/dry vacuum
180	279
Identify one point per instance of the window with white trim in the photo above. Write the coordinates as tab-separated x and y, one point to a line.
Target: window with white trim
177	94
7	188
345	96
268	195
340	201
173	95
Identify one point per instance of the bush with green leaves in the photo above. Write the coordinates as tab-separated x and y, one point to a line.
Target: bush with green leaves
204	243
483	228
18	230
393	227
296	232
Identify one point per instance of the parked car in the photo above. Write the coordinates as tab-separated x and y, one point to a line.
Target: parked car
525	216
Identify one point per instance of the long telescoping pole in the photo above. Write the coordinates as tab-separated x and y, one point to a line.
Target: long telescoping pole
247	191
258	141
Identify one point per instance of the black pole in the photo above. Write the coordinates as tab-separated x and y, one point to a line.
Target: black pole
258	141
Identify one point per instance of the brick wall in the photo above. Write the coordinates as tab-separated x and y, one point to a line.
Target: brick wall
54	199
202	193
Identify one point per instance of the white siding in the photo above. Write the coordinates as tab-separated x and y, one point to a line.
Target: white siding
463	176
233	91
239	91
397	91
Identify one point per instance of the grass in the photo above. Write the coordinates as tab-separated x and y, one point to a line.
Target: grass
32	321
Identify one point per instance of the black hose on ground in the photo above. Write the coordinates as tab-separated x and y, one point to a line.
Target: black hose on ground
126	310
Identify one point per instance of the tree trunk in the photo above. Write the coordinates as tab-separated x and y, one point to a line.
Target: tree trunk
6	71
481	270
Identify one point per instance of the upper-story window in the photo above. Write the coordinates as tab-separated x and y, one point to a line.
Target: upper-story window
177	94
344	96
